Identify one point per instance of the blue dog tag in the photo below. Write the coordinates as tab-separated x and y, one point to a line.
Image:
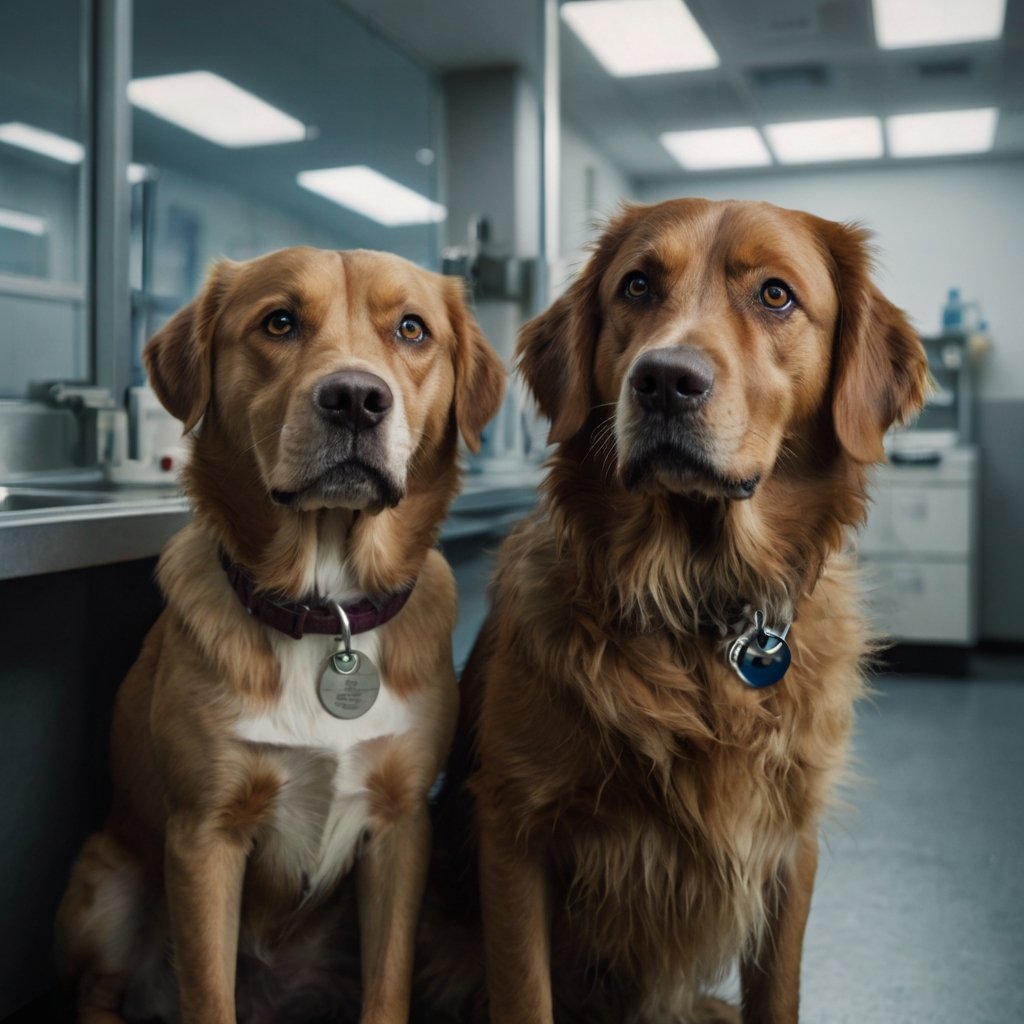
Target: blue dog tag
760	657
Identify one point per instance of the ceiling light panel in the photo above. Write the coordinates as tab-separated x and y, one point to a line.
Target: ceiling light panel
27	136
26	223
846	138
215	109
942	134
640	37
717	148
373	195
900	24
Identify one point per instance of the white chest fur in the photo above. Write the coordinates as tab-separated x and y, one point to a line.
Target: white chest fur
298	720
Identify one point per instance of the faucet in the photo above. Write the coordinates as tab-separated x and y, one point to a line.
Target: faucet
91	405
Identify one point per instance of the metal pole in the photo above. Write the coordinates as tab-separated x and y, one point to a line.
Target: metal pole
111	196
550	153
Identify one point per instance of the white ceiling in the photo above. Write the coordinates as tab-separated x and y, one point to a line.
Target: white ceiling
780	60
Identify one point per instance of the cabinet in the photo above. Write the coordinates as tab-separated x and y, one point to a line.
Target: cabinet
919	548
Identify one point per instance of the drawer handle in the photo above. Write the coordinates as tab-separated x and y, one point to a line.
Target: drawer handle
910	458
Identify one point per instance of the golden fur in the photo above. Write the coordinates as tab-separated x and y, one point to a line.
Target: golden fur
239	804
644	817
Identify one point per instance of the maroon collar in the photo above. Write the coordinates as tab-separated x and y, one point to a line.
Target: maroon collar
296	618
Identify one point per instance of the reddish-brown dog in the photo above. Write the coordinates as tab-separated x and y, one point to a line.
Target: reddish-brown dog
718	379
332	387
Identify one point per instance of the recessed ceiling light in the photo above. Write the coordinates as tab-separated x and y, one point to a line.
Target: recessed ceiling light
215	109
27	136
717	148
640	37
845	138
905	23
373	195
940	134
27	223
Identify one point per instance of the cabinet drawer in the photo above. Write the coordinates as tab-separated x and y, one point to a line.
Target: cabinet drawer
919	520
922	602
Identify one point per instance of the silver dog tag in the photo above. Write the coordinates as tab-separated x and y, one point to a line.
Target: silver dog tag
760	657
349	681
349	684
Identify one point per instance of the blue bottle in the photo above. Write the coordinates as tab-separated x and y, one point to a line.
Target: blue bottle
953	313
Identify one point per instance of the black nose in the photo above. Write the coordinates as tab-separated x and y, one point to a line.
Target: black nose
672	380
353	398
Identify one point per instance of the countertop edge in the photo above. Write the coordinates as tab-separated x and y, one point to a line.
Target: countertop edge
41	541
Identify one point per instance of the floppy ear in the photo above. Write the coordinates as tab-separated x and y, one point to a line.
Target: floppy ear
178	358
553	356
880	374
479	372
555	351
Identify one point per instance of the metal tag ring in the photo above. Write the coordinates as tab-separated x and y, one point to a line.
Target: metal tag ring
760	660
345	636
761	656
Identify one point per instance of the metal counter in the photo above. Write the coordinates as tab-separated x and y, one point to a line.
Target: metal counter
54	524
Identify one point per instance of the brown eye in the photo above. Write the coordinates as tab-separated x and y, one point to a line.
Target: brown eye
412	329
279	324
776	295
636	286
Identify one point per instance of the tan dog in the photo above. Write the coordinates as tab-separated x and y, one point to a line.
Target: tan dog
717	378
332	387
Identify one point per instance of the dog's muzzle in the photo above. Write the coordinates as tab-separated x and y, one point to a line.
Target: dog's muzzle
671	382
348	463
353	399
669	388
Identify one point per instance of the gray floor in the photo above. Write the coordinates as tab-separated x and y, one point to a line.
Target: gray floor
918	914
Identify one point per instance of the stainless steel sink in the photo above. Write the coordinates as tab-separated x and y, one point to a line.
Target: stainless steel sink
54	524
23	499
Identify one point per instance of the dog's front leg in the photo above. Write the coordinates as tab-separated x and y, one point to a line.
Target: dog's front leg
517	926
391	875
204	869
771	979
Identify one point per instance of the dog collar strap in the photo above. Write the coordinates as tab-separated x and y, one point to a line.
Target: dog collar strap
296	618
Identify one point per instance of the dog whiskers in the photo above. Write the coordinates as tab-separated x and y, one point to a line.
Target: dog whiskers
602	443
259	441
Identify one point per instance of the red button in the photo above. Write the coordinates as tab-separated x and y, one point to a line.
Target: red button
167	463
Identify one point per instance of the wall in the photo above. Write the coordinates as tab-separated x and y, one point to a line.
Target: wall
592	189
491	145
938	226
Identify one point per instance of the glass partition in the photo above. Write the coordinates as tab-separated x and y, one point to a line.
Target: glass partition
44	228
304	97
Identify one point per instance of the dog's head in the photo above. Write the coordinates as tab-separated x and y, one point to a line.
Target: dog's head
709	337
337	373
